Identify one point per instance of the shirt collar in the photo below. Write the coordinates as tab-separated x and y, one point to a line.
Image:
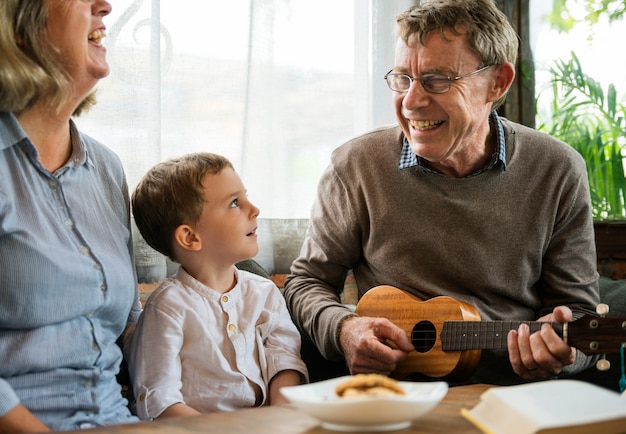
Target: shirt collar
79	155
12	133
409	159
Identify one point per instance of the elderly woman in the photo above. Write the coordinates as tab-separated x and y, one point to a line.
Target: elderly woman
67	285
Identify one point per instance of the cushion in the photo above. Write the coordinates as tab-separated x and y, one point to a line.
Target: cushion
613	293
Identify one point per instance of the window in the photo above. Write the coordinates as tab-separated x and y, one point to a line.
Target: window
594	46
588	108
273	85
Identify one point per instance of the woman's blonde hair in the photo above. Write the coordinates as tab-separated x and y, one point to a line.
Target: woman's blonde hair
30	67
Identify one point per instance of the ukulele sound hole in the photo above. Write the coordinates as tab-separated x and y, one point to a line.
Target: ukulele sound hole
423	336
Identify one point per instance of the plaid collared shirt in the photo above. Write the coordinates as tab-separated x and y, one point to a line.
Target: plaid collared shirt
409	159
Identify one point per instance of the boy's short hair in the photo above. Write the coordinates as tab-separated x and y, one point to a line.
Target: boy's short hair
170	194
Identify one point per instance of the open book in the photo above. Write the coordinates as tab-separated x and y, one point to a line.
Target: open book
553	406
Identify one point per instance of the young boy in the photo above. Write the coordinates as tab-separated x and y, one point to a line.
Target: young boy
211	337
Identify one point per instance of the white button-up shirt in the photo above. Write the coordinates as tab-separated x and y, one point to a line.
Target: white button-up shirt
209	350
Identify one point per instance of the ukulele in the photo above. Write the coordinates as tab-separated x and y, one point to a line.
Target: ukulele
448	334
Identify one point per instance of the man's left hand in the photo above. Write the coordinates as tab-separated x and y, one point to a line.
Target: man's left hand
543	353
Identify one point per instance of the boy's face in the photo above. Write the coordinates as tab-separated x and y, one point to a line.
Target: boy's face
228	223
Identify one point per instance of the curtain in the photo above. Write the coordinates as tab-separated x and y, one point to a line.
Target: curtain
274	85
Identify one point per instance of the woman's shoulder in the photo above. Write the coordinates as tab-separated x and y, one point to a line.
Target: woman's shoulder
98	149
98	154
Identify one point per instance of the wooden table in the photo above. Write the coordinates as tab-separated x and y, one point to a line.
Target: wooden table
285	419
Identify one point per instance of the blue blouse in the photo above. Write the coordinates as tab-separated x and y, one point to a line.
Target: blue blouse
67	281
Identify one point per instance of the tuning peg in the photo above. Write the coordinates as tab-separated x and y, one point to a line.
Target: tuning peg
602	309
603	364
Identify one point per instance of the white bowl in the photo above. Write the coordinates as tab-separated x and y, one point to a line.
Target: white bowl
365	413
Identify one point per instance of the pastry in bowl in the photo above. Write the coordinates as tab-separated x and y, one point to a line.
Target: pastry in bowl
372	385
409	401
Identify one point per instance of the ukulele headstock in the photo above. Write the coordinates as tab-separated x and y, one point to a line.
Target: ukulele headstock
597	334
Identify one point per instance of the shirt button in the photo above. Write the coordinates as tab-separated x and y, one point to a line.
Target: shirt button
52	185
224	298
96	347
89	384
103	287
69	223
97	267
231	327
84	250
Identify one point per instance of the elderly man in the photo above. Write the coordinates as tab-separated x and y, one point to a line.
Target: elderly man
453	201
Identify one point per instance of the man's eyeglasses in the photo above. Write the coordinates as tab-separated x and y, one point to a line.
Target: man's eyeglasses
432	83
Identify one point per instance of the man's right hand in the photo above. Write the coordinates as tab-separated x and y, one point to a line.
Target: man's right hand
363	342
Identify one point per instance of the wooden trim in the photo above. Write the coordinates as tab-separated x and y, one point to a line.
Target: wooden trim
610	240
520	103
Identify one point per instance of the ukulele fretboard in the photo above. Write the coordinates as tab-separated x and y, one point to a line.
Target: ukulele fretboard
486	335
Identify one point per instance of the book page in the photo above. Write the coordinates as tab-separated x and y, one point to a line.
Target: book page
530	408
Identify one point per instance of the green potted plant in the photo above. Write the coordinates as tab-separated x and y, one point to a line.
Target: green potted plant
592	121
